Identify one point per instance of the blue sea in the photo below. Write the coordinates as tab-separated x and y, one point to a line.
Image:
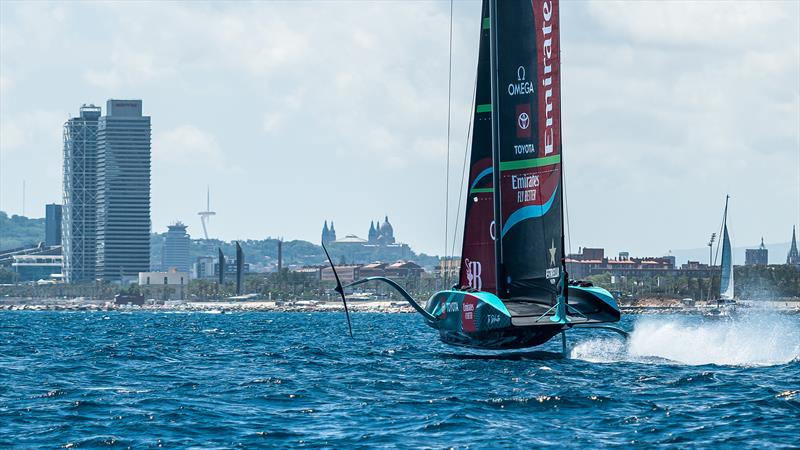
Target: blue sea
200	380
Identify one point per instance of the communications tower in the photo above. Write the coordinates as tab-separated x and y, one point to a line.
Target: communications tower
206	215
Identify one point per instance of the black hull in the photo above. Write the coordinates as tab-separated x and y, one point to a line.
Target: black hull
481	320
506	339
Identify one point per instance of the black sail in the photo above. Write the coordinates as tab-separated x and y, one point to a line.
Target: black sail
528	102
477	269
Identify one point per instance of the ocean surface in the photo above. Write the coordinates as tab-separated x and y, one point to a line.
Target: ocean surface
182	380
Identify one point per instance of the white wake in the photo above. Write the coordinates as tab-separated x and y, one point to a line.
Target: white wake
761	340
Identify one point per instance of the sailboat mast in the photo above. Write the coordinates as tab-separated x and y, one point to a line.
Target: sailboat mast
725	214
493	64
564	218
565	276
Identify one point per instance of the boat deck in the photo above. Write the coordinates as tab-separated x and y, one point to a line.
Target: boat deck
533	313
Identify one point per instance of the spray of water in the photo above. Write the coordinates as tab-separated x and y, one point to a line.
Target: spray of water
744	341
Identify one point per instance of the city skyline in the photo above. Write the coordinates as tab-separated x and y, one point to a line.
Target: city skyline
665	163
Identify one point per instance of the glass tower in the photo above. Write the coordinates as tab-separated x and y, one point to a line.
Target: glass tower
123	191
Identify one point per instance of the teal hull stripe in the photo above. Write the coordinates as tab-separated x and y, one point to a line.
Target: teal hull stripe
486	297
528	212
493	301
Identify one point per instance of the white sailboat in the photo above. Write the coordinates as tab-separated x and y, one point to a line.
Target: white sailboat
726	301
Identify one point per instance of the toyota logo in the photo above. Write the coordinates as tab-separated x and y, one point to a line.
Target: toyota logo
524	121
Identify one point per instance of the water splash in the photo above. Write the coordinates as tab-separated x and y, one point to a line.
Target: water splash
762	340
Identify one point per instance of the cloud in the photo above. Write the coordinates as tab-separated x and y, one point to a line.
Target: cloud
189	146
697	23
273	122
128	67
5	83
665	105
20	130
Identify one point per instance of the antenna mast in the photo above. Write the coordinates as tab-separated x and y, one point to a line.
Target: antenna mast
206	215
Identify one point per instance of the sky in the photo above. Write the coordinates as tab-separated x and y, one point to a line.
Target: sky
299	112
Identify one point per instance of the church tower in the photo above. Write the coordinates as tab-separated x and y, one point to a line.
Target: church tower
793	258
326	234
372	237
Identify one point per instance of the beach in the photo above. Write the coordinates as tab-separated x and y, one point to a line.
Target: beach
644	306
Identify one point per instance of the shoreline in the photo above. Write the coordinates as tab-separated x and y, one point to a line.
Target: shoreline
370	306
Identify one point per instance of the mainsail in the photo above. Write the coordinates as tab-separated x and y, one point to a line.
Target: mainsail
726	279
477	251
523	156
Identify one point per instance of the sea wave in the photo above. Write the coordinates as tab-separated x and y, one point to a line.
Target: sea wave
751	340
146	379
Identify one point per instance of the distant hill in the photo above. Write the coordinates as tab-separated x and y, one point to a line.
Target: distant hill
263	254
20	231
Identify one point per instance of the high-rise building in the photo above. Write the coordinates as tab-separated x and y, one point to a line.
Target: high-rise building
79	219
52	225
176	248
793	258
757	256
123	191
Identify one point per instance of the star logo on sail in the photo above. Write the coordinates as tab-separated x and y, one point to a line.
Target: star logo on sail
553	272
524	121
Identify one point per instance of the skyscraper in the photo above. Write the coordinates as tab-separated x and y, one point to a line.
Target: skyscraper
52	225
123	191
79	219
176	248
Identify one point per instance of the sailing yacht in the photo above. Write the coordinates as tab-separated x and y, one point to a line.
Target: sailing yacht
726	302
513	289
